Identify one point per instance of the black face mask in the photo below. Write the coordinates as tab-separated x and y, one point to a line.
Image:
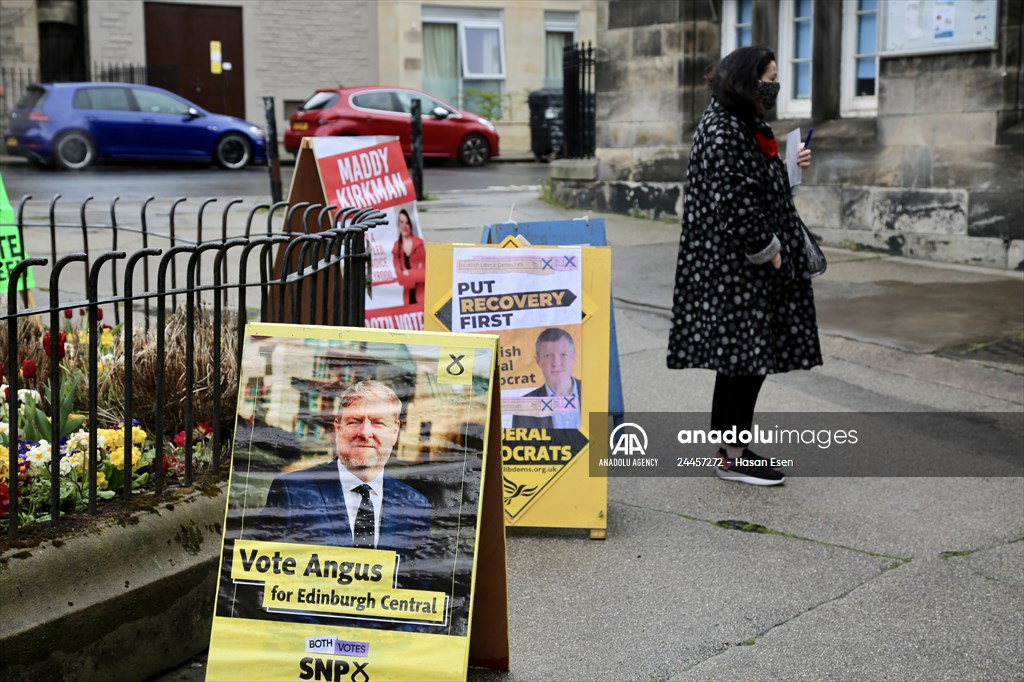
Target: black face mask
768	92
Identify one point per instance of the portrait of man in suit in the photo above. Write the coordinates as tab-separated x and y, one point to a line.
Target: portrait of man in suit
555	355
351	501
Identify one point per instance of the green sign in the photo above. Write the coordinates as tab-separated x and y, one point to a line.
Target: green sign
12	251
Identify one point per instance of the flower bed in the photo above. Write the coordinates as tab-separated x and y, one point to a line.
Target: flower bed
115	444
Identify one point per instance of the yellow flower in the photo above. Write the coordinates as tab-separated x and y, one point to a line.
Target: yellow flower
101	480
138	435
4	454
114	437
117	457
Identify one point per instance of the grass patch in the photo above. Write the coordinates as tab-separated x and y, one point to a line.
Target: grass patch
745	526
748	527
547	195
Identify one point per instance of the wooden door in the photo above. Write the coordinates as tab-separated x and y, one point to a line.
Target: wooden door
178	43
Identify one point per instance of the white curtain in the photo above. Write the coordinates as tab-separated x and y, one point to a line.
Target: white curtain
554	44
441	61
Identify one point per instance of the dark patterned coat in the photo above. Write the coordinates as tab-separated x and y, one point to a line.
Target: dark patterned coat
732	311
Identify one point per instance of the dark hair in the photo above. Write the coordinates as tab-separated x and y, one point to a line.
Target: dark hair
734	81
402	212
551	335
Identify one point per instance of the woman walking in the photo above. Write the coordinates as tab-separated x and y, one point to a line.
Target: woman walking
743	304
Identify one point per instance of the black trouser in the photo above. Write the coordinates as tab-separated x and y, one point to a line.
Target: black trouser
733	402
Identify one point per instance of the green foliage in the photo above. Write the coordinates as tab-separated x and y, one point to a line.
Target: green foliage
547	195
484	103
37	423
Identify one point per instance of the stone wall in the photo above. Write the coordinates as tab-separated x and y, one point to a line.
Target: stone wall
937	174
652	55
116	31
117	601
19	36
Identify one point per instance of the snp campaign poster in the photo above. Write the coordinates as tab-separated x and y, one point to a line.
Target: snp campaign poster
353	514
370	172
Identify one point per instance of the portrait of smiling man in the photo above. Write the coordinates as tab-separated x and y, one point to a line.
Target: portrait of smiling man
556	357
351	501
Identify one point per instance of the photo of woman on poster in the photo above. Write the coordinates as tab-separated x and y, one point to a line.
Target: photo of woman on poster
410	259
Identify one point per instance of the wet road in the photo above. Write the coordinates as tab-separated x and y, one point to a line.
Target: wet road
137	182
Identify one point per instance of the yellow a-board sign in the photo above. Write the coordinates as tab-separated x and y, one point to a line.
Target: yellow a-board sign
550	307
361	541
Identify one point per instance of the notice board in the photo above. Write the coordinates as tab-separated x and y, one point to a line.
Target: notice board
929	26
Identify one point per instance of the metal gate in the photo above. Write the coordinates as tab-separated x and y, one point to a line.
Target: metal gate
578	64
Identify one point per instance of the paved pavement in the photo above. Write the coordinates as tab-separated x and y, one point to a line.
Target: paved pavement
850	578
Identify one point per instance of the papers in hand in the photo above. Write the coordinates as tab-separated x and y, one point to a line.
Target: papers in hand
793	140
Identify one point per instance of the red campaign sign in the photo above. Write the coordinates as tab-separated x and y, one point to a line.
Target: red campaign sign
408	317
369	177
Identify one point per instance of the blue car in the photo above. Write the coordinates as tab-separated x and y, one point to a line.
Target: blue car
73	125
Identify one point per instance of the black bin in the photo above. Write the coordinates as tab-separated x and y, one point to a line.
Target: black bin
546	131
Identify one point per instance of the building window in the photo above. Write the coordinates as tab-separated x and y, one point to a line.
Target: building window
737	24
559	32
861	37
796	32
463	55
483	52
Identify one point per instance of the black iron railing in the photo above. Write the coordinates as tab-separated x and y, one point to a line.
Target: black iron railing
319	276
14	80
578	64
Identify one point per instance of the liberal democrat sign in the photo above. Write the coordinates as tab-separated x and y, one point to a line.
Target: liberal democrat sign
550	307
363	537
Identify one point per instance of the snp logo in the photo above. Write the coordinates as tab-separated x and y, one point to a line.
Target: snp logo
628	439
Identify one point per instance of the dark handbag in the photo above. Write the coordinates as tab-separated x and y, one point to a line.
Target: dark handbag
816	262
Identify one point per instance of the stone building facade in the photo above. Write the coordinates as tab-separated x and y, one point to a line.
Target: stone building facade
291	48
930	165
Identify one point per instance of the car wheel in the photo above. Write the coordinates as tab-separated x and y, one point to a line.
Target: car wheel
474	150
74	150
233	151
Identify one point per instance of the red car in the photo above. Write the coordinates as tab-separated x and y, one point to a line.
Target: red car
371	110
